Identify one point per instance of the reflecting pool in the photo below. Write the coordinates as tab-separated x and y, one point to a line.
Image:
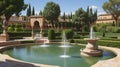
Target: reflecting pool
52	55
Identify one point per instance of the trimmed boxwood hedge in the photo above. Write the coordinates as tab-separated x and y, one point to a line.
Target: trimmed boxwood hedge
19	35
109	43
23	34
51	34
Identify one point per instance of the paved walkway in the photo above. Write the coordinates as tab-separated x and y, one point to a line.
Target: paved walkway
113	62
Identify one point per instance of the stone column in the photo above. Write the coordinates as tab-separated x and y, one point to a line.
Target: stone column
32	25
40	30
32	33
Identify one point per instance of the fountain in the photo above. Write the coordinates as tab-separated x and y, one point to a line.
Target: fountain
43	40
44	43
91	48
65	46
64	41
65	53
51	55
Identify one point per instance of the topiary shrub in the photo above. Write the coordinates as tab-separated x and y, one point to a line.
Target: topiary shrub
69	33
51	34
10	29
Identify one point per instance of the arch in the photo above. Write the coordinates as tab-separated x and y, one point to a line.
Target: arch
36	25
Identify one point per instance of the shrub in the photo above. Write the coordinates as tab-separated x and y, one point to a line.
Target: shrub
69	33
10	29
19	35
95	28
51	34
109	43
72	41
16	30
85	28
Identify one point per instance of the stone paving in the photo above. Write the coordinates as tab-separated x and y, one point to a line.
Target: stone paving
113	62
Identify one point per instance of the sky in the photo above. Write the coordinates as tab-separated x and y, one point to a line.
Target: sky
67	6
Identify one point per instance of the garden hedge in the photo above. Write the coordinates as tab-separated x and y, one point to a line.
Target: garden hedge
109	43
51	34
19	35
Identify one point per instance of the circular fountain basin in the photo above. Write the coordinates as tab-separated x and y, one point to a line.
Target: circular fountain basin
52	55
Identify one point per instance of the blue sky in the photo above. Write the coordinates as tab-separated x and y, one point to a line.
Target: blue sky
67	6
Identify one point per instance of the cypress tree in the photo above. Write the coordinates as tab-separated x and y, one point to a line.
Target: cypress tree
29	10
33	11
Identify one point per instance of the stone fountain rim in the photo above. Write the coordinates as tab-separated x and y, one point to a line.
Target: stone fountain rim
102	63
91	38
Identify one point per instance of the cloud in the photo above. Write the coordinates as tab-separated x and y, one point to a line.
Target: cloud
93	7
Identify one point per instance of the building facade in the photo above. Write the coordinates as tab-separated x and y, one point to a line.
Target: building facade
106	18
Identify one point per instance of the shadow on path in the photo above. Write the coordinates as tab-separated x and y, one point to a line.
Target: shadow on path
11	63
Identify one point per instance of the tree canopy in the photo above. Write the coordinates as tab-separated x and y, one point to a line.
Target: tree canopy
29	10
85	18
33	11
10	7
51	11
112	7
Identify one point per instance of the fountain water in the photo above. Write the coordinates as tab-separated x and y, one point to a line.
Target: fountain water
65	54
43	39
65	46
44	43
64	41
91	48
37	36
92	34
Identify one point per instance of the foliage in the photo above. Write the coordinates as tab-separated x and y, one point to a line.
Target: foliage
79	15
113	7
10	29
51	34
33	11
69	33
95	28
51	11
109	43
19	35
11	7
29	10
64	16
91	16
85	18
41	13
16	28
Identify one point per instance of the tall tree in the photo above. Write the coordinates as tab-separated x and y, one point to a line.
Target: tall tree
71	16
33	11
11	7
41	13
79	16
29	10
51	12
85	18
113	7
64	16
91	16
